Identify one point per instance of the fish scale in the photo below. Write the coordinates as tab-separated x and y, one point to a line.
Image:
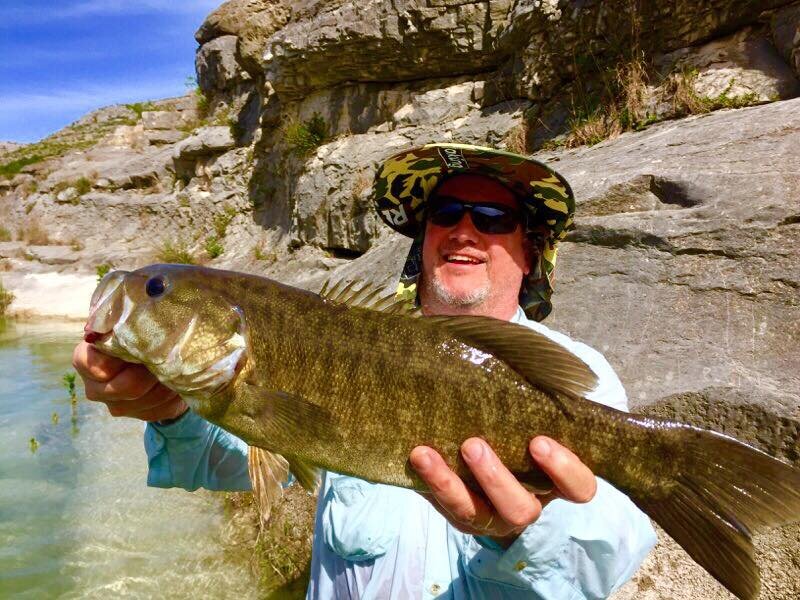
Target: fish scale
330	383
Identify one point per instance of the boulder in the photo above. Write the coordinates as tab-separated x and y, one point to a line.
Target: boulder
165	136
52	255
252	21
167	119
205	141
216	65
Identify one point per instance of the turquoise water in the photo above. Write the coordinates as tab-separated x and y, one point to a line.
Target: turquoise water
76	518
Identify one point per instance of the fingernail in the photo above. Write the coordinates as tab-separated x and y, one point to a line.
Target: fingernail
422	460
473	450
540	448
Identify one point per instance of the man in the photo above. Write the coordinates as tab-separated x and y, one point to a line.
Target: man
486	225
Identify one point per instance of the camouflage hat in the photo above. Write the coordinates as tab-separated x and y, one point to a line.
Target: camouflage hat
404	182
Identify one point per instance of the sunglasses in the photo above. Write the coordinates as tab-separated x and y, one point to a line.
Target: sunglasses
486	216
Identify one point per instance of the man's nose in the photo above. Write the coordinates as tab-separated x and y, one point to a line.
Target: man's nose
464	230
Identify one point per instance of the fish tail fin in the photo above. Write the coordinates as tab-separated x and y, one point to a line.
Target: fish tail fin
728	490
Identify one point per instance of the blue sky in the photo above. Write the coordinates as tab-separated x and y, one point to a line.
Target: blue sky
64	58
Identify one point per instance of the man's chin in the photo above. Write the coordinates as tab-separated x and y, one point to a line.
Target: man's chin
460	293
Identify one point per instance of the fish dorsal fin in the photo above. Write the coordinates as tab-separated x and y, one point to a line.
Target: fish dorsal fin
268	472
540	360
367	295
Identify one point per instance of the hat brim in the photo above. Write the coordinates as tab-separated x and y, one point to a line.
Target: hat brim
405	181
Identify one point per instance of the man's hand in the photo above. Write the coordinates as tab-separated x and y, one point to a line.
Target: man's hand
512	506
127	390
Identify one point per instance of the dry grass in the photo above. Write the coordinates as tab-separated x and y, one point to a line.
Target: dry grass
621	107
261	253
516	140
361	185
679	88
624	103
34	234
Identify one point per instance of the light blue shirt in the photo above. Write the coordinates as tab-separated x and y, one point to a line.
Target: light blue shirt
378	542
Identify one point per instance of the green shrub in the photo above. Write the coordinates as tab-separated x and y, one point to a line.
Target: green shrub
213	246
6	298
102	270
307	136
140	107
83	186
222	220
261	254
9	169
5	235
177	253
203	104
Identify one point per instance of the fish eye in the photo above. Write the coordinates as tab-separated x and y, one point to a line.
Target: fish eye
155	286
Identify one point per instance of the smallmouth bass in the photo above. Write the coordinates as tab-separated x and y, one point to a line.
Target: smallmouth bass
334	383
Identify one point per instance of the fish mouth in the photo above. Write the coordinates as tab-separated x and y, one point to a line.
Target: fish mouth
95	337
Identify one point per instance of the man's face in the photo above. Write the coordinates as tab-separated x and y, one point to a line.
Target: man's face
465	271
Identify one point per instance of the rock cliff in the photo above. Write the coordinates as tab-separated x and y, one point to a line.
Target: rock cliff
683	267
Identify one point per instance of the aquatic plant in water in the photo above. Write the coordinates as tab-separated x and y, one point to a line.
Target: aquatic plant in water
69	383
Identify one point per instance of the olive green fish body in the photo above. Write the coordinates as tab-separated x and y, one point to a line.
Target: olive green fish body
345	388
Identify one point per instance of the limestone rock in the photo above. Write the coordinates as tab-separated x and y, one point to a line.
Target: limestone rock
9	147
216	65
52	255
375	41
552	42
68	195
167	119
252	21
12	249
736	65
785	25
165	136
205	141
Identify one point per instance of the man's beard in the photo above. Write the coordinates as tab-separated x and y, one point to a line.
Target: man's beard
474	297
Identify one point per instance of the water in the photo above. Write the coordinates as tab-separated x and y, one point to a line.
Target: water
76	517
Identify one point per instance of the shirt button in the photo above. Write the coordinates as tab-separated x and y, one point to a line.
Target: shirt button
520	565
436	588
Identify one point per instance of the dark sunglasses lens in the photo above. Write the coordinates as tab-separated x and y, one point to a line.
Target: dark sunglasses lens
489	219
447	215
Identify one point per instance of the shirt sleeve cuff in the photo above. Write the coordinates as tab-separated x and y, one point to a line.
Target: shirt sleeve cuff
191	453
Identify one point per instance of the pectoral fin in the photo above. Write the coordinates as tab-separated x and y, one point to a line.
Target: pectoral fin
284	414
282	419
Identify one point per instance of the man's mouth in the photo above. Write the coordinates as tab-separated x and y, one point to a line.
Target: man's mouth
462	259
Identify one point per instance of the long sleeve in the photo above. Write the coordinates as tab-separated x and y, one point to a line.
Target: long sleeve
193	453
